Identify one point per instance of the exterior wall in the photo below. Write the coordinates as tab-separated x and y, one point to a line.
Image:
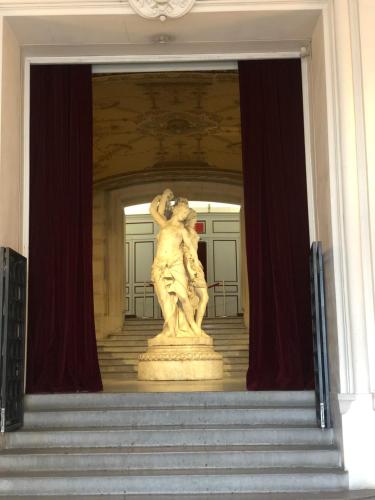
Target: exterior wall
10	140
348	40
355	42
350	199
366	12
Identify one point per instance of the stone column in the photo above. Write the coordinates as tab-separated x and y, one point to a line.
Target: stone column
115	262
108	262
99	260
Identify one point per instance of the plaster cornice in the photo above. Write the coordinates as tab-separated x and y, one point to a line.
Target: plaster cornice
148	176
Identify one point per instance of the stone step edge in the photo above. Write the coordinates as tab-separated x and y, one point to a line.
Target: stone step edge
201	397
278	427
183	472
246	448
180	408
160	399
51	473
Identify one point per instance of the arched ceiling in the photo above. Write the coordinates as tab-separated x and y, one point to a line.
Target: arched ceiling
170	120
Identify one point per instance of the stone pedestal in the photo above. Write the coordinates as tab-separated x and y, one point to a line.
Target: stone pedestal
180	358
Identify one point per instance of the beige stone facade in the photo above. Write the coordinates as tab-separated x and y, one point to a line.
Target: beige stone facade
337	38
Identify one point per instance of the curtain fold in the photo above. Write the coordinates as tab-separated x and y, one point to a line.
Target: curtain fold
276	218
62	352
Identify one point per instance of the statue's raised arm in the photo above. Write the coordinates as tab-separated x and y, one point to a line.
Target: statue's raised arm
165	201
158	207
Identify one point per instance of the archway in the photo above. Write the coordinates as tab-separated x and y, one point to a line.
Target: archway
108	206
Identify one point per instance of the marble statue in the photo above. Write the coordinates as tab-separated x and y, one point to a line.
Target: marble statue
177	273
182	350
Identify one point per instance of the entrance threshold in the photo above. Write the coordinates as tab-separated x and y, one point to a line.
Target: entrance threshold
224	385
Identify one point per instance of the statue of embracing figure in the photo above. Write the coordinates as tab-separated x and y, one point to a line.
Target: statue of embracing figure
177	273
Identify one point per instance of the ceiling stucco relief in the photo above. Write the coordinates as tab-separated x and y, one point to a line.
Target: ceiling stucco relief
155	120
161	8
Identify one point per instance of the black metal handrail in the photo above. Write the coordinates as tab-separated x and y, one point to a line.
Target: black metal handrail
321	373
12	337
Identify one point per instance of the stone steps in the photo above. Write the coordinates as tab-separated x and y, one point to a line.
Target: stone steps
170	443
224	435
227	327
128	459
207	321
118	353
151	332
155	329
143	341
239	399
141	347
132	363
125	354
107	363
131	374
146	336
176	416
134	343
193	482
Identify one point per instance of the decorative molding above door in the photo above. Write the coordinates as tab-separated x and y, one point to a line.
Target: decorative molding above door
161	9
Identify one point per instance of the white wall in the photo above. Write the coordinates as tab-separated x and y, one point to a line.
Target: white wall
350	67
10	140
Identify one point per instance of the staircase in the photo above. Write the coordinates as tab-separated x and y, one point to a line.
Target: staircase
205	443
118	353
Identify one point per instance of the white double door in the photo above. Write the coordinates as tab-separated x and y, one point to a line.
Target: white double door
220	255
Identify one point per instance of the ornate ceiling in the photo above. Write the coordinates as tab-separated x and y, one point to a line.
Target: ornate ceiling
144	121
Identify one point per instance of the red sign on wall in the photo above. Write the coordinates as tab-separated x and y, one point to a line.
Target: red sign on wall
200	227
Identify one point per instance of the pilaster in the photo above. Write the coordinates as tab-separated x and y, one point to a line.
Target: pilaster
358	416
353	270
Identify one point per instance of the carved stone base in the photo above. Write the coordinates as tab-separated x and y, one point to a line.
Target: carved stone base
180	358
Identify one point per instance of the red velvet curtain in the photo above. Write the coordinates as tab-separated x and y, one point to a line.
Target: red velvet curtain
62	353
277	233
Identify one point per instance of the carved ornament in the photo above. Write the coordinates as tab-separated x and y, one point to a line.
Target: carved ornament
180	356
161	8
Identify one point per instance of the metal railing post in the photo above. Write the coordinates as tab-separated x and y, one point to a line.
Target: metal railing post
144	301
224	300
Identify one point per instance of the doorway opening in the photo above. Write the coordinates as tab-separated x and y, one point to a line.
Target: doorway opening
276	209
181	130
